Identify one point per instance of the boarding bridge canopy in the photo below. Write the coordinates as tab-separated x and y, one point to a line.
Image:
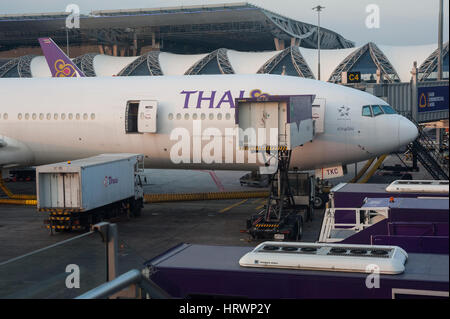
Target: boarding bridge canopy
285	120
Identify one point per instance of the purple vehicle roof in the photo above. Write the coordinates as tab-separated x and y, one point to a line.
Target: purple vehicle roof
201	271
360	188
409	203
423	267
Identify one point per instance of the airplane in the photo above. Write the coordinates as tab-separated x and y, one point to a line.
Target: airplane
50	120
58	62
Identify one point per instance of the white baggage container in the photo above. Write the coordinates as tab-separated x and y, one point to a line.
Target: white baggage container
89	183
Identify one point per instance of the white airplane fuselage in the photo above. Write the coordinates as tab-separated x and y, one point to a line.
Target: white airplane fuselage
33	131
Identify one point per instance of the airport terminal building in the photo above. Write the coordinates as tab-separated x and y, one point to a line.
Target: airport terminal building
237	38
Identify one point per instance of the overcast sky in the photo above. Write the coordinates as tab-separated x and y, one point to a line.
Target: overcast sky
402	22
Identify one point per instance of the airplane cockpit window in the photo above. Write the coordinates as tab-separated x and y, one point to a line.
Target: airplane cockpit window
366	111
388	110
377	110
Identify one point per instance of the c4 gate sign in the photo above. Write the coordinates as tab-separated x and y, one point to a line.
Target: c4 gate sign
353	77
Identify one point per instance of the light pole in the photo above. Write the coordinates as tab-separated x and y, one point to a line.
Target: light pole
319	8
441	21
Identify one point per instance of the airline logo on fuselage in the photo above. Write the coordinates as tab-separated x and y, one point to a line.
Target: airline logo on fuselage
213	99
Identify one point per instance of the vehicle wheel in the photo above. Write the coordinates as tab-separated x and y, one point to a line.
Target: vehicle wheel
318	202
298	230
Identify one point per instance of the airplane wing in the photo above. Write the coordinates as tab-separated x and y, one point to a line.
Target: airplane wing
59	63
14	153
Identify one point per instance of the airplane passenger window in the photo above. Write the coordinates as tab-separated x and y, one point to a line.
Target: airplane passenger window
219	116
5	116
41	116
203	116
178	116
377	110
55	116
85	116
49	116
63	116
194	116
34	116
92	116
19	116
70	116
211	116
170	116
388	110
77	116
366	111
186	116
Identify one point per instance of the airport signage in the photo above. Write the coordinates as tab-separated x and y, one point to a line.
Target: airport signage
330	172
433	98
353	77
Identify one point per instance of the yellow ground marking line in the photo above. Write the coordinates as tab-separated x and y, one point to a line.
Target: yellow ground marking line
259	207
233	206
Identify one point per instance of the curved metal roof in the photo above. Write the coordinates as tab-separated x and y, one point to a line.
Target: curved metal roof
85	63
214	63
430	64
186	29
147	64
289	61
373	53
18	67
293	61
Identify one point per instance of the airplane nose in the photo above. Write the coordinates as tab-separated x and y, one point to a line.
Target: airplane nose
407	132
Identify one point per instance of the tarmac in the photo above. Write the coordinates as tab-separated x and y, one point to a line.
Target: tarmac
160	227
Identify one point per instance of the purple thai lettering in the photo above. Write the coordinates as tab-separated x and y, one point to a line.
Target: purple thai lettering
226	98
210	99
186	99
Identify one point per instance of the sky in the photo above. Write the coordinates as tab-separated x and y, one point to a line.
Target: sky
401	22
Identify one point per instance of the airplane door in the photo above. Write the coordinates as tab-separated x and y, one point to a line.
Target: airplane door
147	116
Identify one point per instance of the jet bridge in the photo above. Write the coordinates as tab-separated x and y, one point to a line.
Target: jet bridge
274	126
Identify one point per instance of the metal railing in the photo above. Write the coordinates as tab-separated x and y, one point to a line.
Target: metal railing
134	277
429	154
363	219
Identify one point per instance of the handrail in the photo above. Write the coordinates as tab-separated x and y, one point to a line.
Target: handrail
132	277
329	223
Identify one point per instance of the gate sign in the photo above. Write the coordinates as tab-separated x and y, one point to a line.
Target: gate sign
433	98
354	77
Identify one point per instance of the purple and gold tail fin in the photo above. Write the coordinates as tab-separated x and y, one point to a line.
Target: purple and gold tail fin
59	63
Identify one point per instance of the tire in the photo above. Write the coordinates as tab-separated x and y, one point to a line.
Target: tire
298	230
319	202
